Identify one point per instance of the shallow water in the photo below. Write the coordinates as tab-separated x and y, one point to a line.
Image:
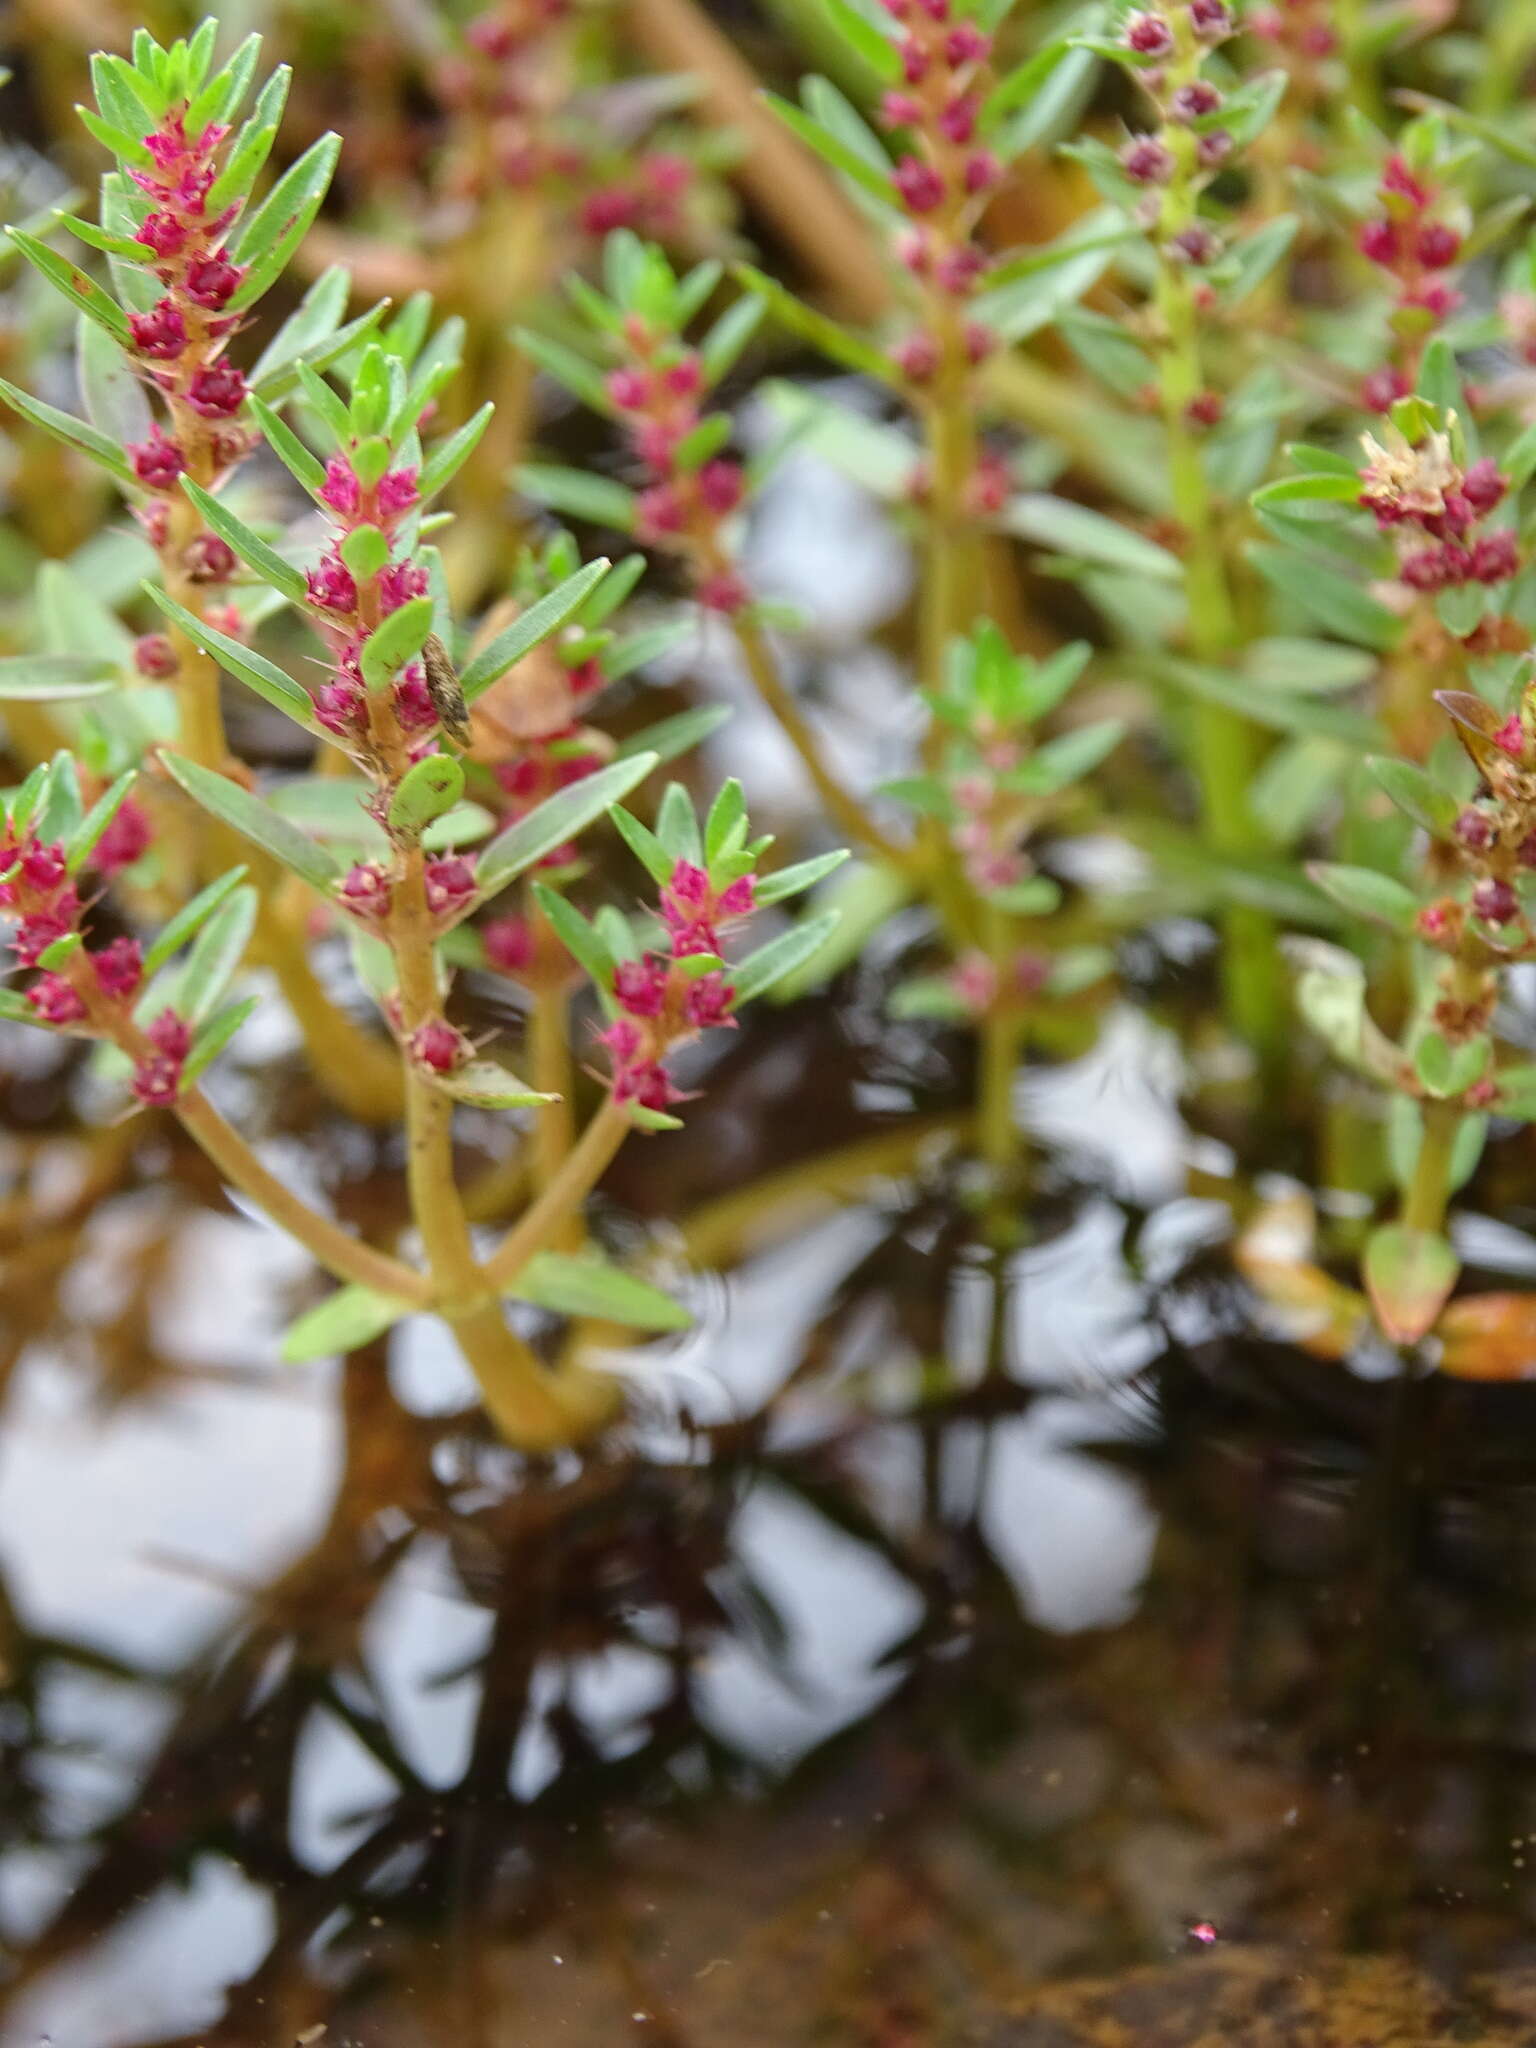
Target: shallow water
956	1649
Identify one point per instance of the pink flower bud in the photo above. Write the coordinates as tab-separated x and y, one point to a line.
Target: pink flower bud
1211	20
438	1046
920	187
1496	557
1196	245
119	968
957	122
208	559
640	986
659	511
630	390
127	839
397	492
43	868
957	270
213	280
157	1080
1495	901
1147	161
1473	829
341	489
967	44
720	485
707	1004
450	882
1436	245
37	932
330	585
154	656
1194	100
723	591
413	700
340	706
1381	390
171	1035
55	1001
508	944
366	890
1483	486
684	379
917	356
900	110
164	233
1148	35
161	333
982	171
216	391
157	462
1213	148
646	1083
399	583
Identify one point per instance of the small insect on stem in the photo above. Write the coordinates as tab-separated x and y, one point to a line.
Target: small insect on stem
445	691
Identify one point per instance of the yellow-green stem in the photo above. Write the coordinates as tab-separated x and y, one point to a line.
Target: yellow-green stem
583	1168
531	1407
348	1258
1429	1191
842	806
997	1122
1224	743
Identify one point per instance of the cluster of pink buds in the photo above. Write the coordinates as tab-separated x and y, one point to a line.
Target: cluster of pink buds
179	340
658	393
157	1074
349	611
508	91
1432	507
979	985
37	890
367	889
648	197
1411	241
503	87
943	179
1301	31
1495	838
661	1004
1188	146
991	822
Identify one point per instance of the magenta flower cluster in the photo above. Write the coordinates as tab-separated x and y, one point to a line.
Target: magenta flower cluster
1416	250
658	394
1438	547
39	893
180	338
660	1003
347	613
942	177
